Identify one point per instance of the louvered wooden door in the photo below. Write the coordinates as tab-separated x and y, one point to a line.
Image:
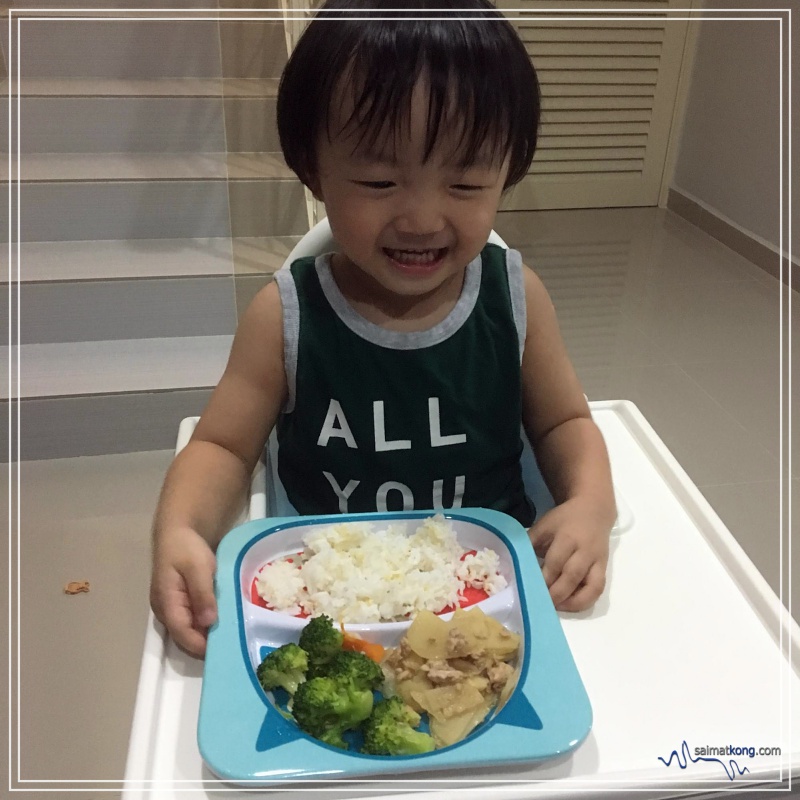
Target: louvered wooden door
608	94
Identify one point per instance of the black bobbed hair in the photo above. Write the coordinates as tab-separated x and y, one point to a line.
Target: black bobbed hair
470	54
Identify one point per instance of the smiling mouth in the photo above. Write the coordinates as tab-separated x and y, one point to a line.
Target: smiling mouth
416	258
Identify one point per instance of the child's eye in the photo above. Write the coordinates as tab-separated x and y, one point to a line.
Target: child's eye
376	184
466	187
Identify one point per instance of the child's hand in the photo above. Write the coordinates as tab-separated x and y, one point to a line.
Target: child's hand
182	588
574	546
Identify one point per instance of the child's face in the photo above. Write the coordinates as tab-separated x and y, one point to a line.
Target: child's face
411	226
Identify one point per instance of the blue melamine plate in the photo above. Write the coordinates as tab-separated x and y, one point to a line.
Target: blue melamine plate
244	739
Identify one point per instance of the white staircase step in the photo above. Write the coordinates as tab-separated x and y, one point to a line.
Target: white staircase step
113	118
122	47
120	259
191	44
54	211
145	87
259	255
68	167
98	424
258	166
250	87
121	366
49	167
125	124
84	311
128	7
252	46
100	208
116	259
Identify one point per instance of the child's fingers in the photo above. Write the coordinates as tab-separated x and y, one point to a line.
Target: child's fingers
556	558
587	593
573	573
541	538
191	640
542	534
199	580
179	621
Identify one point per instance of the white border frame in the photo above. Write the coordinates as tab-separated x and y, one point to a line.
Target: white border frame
14	368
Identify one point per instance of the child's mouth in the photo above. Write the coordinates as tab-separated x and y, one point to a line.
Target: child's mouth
416	260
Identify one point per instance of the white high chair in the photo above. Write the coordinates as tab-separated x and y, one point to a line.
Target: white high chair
267	498
680	580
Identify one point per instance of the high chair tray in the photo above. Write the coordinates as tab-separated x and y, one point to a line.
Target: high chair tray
687	649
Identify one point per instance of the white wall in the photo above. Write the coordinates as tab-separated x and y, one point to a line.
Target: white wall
729	151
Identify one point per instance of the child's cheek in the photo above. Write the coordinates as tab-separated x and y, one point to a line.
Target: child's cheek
353	224
360	213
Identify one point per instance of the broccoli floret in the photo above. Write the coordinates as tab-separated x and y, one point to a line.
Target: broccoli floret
320	640
356	667
285	667
326	707
389	730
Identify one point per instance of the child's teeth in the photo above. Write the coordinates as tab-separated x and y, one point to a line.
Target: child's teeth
414	256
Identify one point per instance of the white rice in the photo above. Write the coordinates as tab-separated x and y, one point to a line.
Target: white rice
281	586
356	574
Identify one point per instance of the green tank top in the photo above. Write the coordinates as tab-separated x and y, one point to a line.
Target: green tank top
380	420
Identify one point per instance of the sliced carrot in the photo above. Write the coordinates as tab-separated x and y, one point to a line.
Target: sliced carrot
372	650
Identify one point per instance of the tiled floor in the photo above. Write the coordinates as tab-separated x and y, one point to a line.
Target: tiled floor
652	310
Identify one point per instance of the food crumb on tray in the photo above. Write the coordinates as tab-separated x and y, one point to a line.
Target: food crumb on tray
76	587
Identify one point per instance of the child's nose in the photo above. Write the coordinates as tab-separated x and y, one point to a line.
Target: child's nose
420	215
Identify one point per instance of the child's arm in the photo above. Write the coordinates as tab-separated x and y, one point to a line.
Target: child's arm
208	479
573	537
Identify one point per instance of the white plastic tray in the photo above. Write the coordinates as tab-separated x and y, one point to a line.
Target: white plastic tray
687	644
